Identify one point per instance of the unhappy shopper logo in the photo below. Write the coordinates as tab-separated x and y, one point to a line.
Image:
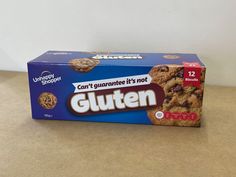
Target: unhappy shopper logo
46	77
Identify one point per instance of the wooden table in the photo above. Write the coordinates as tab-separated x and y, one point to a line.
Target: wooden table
30	148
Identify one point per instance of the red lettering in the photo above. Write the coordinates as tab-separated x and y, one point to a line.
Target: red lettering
180	116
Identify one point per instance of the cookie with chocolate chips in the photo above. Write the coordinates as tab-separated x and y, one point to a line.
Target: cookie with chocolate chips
83	64
162	73
47	100
178	98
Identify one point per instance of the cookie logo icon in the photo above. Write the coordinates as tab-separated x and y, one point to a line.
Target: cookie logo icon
47	100
83	64
159	115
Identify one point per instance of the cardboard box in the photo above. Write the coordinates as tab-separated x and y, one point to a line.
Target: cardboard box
139	88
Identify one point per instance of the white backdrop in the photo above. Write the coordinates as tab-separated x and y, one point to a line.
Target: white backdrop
206	27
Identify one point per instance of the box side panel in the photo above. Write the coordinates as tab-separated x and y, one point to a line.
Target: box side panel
118	58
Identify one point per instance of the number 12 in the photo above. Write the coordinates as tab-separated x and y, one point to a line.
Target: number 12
191	73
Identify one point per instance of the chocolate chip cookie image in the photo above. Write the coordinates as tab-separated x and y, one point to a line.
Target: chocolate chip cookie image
178	99
83	64
162	73
47	100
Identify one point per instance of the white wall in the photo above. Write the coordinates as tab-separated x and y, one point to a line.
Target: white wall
206	27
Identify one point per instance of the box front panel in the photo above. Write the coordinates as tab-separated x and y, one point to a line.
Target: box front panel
59	87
